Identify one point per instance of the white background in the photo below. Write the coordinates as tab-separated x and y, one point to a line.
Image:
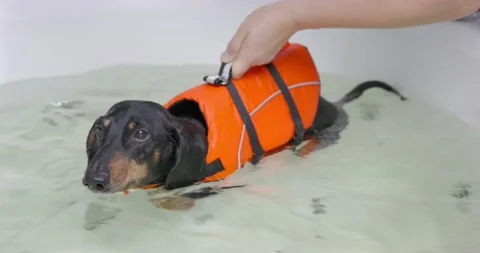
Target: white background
440	63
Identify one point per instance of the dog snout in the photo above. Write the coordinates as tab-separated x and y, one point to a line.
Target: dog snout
97	182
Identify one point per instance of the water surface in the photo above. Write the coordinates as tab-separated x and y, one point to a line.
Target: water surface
403	178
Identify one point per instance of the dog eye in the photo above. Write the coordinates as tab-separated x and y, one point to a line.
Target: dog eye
98	133
141	135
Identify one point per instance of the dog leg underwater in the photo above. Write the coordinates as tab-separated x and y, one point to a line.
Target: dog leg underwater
186	201
330	135
208	191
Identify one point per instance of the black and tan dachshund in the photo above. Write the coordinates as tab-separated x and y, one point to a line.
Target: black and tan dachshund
138	143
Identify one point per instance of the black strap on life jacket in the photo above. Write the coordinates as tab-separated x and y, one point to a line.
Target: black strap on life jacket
294	114
258	151
214	167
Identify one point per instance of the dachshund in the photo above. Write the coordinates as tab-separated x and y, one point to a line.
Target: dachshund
141	143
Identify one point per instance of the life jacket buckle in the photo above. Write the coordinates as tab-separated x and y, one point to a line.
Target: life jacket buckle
256	159
215	80
222	77
296	141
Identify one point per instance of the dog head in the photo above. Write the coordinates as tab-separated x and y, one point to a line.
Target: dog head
139	143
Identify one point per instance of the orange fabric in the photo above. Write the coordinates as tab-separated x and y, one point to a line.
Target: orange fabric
272	122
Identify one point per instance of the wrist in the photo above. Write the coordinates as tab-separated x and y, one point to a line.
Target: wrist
289	10
299	12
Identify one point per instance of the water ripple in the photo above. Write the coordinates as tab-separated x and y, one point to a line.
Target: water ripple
61	167
355	193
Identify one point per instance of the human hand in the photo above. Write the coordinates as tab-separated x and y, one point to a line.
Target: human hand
260	37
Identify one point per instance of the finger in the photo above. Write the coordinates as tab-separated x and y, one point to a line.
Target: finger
233	47
235	43
245	58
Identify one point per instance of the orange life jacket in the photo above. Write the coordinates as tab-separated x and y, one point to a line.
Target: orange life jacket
267	108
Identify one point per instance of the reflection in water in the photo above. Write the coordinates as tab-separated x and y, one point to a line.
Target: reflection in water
62	110
97	214
389	184
202	219
317	206
369	111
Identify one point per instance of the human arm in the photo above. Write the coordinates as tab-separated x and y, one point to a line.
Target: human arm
264	32
312	14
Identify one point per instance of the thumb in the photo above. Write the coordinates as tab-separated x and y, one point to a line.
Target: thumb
239	67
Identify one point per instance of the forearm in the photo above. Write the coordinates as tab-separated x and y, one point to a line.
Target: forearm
313	14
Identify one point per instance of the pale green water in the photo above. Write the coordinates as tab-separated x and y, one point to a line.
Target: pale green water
385	187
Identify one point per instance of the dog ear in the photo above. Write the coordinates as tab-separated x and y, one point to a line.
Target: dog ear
190	158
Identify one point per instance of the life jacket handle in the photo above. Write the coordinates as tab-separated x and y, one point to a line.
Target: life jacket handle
225	72
223	76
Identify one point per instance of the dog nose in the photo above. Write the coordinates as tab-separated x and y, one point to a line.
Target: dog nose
96	183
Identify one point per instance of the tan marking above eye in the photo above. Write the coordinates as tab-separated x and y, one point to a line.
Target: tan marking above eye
106	122
91	137
132	125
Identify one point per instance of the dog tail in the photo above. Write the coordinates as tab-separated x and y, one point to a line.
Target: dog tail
359	89
331	134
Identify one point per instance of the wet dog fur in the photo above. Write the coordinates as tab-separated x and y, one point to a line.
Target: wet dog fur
140	143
